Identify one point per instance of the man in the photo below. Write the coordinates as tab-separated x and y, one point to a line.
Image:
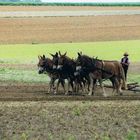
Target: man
125	64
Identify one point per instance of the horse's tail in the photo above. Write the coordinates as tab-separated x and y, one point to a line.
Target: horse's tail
122	76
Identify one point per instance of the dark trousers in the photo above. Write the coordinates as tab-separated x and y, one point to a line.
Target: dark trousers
125	72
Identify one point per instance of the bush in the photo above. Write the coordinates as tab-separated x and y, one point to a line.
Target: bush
68	4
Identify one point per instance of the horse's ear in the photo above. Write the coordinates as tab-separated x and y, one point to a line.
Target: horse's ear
52	55
43	56
56	54
59	53
65	54
96	57
79	54
39	57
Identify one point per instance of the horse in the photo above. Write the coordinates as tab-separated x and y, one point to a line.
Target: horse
46	65
55	58
99	70
82	78
66	68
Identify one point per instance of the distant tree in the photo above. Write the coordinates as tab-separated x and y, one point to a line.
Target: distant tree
15	0
10	0
32	1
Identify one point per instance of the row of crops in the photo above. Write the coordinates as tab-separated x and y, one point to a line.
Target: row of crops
70	4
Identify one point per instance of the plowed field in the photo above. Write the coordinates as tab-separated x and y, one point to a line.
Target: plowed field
60	117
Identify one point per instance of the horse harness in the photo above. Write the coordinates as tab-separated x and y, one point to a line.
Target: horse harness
102	67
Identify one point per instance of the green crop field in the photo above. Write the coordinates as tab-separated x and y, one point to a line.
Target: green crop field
110	50
32	76
28	54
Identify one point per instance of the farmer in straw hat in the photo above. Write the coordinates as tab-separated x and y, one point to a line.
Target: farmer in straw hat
125	63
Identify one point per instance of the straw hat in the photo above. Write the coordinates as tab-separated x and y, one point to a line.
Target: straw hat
125	54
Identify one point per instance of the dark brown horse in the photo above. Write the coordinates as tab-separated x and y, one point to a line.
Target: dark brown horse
66	68
46	65
78	80
98	69
82	78
55	58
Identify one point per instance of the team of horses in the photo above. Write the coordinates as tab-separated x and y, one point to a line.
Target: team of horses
83	73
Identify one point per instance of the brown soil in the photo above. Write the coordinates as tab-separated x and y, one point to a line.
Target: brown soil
80	120
38	92
69	29
62	8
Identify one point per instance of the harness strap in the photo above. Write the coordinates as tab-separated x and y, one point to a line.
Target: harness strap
102	64
103	69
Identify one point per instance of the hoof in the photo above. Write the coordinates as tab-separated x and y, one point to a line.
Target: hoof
105	95
121	93
90	94
55	93
66	93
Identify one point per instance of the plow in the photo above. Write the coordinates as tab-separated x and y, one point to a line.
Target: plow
135	87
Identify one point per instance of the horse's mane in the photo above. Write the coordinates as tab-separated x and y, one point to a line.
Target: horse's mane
49	61
69	59
96	59
87	58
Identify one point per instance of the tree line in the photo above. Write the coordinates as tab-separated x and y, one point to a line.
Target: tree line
26	1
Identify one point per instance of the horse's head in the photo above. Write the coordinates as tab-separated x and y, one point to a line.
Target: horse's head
79	61
55	60
61	60
95	62
83	61
41	64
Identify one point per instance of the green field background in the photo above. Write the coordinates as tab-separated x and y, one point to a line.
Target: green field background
28	54
110	50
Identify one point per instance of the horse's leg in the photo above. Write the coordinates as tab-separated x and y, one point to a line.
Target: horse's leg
57	86
102	86
63	84
76	88
88	85
66	93
91	85
51	84
80	83
94	85
113	85
76	85
84	85
124	83
120	85
117	84
72	86
87	79
79	86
